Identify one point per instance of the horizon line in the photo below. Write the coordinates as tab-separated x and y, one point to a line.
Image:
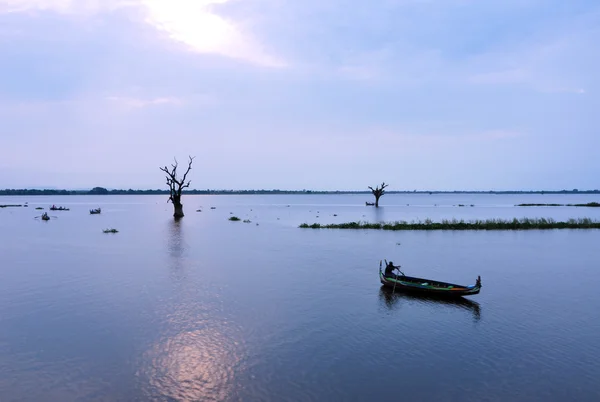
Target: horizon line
104	190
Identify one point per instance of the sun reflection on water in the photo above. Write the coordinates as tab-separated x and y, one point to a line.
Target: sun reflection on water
197	365
199	351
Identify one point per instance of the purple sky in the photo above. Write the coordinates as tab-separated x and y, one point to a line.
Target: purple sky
324	95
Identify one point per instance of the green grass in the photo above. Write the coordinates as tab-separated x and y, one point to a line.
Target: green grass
589	204
234	218
488	224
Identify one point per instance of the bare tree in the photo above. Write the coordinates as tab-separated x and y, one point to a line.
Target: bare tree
176	186
378	192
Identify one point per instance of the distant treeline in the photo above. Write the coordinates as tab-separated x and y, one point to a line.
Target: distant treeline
104	191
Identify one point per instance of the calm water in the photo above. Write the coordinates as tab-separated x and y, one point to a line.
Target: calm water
212	310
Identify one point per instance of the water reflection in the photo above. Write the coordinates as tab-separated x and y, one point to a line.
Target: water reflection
198	350
394	300
196	365
175	242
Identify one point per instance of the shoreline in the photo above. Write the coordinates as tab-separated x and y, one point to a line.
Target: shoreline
49	192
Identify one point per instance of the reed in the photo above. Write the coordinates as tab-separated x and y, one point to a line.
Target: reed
454	224
589	204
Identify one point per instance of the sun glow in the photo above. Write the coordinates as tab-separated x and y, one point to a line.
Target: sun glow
194	23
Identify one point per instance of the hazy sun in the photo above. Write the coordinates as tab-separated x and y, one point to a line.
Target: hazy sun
194	23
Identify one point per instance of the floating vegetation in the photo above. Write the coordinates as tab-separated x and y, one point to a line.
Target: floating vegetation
10	206
39	208
213	207
110	231
234	218
589	204
247	221
454	224
198	210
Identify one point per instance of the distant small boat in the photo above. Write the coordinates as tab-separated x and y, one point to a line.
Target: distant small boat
95	211
45	216
429	287
369	203
55	208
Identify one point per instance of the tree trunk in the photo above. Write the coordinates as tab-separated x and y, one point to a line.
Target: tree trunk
177	207
377	201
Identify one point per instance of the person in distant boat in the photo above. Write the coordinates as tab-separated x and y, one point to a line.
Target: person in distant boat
390	268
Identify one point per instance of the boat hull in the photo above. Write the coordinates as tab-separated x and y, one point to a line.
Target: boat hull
423	286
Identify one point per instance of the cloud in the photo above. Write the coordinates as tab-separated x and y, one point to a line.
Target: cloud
454	88
63	6
137	103
194	23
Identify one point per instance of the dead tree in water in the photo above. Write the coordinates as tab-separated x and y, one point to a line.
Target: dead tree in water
176	186
378	192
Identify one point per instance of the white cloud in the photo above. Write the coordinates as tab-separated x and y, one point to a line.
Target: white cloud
191	22
137	103
194	23
63	6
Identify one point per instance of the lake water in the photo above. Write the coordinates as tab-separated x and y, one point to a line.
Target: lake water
206	309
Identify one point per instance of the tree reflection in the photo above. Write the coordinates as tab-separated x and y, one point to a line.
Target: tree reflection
175	241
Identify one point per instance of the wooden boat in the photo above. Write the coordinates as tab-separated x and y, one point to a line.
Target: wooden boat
95	211
45	216
55	208
429	287
369	203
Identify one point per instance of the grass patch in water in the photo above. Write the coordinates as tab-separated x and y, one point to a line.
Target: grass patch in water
589	204
234	218
110	231
454	224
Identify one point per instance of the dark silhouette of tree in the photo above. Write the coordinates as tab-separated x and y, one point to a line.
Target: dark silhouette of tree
98	191
176	185
378	192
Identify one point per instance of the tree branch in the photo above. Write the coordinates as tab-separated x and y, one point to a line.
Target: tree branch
175	185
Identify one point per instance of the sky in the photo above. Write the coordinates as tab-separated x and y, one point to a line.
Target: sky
312	94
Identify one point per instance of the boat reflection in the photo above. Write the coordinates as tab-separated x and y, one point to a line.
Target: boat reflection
392	299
